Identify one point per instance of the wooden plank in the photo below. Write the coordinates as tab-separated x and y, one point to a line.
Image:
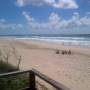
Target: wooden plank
32	82
13	73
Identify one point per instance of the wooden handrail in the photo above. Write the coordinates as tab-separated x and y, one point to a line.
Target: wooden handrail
55	84
14	73
32	84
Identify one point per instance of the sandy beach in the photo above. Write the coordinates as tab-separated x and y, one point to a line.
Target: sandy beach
71	70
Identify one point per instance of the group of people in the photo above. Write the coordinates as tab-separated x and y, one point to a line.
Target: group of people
64	52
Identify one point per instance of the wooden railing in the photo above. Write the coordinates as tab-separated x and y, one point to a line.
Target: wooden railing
32	81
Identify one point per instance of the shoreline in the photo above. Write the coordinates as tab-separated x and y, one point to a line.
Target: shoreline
64	42
74	43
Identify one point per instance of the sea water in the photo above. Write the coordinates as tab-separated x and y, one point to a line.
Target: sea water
76	40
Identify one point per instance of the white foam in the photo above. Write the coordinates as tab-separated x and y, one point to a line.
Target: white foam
80	41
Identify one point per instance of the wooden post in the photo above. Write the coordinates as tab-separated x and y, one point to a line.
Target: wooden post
19	62
32	83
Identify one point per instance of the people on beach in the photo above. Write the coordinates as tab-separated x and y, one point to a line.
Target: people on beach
64	52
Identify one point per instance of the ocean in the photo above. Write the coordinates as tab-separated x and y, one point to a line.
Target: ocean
75	40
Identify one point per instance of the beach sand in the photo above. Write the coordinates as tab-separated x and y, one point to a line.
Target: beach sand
72	70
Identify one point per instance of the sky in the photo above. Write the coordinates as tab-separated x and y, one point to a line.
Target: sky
44	17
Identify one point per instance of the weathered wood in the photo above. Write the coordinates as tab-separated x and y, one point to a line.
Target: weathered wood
32	83
52	82
13	73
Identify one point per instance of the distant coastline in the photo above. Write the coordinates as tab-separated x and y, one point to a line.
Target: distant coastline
49	35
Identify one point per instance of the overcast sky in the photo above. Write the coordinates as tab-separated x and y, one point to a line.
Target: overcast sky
44	16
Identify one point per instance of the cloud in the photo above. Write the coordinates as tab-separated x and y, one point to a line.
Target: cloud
88	13
85	20
54	3
56	23
2	20
65	4
54	18
4	25
27	16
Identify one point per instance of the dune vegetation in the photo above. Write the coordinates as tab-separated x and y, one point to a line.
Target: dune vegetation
12	82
